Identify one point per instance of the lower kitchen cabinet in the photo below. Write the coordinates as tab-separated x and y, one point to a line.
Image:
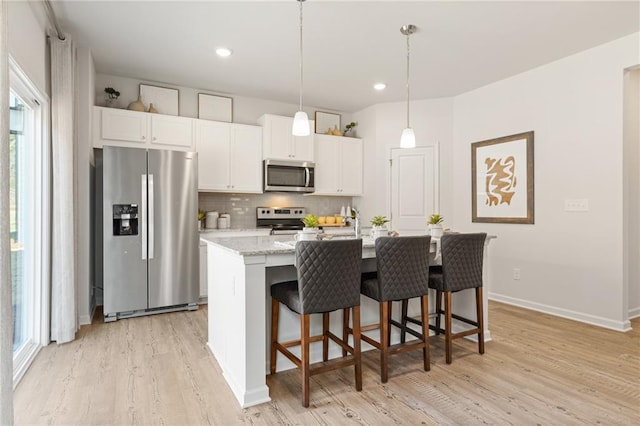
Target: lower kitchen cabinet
229	157
339	165
203	272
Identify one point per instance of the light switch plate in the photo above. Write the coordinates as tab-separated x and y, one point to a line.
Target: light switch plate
576	205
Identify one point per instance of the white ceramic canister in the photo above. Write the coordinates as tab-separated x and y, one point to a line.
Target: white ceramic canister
212	220
226	216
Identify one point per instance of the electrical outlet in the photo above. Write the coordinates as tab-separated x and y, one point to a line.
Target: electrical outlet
516	273
576	205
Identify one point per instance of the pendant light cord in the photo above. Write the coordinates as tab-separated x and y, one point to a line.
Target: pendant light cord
408	34
300	54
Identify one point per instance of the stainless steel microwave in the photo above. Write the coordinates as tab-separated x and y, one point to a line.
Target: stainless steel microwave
289	176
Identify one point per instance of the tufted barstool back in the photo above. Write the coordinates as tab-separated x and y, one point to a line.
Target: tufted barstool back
462	256
403	266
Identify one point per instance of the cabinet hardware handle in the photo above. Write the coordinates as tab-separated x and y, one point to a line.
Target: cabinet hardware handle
143	138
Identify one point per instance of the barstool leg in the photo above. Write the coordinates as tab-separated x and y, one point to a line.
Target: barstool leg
447	324
424	310
384	342
438	311
480	315
275	308
356	347
345	329
304	358
389	316
403	320
325	338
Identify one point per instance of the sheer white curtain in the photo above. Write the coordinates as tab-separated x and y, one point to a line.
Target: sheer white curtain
6	311
64	318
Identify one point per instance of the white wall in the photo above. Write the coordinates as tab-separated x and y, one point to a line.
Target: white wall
631	131
28	41
381	126
245	110
571	263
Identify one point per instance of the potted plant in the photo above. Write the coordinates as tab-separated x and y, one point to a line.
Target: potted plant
310	230
201	216
379	229
111	99
435	225
350	128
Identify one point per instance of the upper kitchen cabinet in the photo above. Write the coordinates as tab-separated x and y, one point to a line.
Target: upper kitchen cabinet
121	127
339	165
280	144
229	157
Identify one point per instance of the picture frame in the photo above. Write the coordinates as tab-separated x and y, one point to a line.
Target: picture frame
214	107
502	181
325	121
164	99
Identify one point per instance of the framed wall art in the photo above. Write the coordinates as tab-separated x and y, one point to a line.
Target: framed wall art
502	179
326	121
164	99
217	108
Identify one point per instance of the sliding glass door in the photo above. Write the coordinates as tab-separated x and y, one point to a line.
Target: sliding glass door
28	217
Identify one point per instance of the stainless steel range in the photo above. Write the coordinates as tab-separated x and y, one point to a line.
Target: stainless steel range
281	220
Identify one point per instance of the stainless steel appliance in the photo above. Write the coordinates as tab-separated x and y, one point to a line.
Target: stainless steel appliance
147	250
289	176
281	220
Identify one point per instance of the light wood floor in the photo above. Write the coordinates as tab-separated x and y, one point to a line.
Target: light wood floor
538	369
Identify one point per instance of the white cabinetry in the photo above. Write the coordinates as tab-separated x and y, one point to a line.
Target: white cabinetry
229	157
280	144
121	127
203	271
338	165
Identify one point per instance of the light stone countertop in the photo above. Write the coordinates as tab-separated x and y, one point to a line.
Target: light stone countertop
253	246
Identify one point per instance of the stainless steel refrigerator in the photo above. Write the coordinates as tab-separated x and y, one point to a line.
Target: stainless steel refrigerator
147	244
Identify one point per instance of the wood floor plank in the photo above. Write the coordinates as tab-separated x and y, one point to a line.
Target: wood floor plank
538	369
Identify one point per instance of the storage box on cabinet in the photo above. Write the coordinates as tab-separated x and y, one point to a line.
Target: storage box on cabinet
121	127
280	144
339	165
230	157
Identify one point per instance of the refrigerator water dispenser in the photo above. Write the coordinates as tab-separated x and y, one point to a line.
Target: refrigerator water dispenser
125	219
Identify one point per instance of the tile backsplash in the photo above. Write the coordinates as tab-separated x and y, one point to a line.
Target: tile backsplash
242	207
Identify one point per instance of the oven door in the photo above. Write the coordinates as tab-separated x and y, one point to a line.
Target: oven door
289	176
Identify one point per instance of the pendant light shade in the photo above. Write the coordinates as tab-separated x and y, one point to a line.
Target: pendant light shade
300	120
408	138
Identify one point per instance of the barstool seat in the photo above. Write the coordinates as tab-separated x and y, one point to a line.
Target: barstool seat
328	280
402	273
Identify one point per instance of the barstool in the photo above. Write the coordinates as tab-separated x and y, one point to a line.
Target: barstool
462	256
328	280
402	273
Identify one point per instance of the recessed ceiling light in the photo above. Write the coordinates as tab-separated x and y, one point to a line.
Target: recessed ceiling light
223	51
379	86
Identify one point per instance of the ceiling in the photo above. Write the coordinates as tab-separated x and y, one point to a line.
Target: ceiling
348	45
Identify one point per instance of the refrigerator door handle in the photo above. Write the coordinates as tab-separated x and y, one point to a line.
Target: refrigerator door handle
151	230
143	215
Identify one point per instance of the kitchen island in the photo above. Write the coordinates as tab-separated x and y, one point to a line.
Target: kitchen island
240	270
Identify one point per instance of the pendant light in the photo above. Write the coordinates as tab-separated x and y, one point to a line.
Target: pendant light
408	138
300	120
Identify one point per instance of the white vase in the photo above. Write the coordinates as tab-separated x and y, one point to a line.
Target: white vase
435	230
307	234
379	231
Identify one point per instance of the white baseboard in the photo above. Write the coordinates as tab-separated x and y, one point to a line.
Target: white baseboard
85	319
634	313
563	313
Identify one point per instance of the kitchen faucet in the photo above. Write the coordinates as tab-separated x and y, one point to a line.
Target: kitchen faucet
356	221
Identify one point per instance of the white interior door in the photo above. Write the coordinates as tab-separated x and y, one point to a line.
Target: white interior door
414	187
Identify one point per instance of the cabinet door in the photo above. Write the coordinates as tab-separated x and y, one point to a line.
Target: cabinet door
278	138
326	173
172	131
203	271
246	158
212	144
303	145
123	125
351	166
